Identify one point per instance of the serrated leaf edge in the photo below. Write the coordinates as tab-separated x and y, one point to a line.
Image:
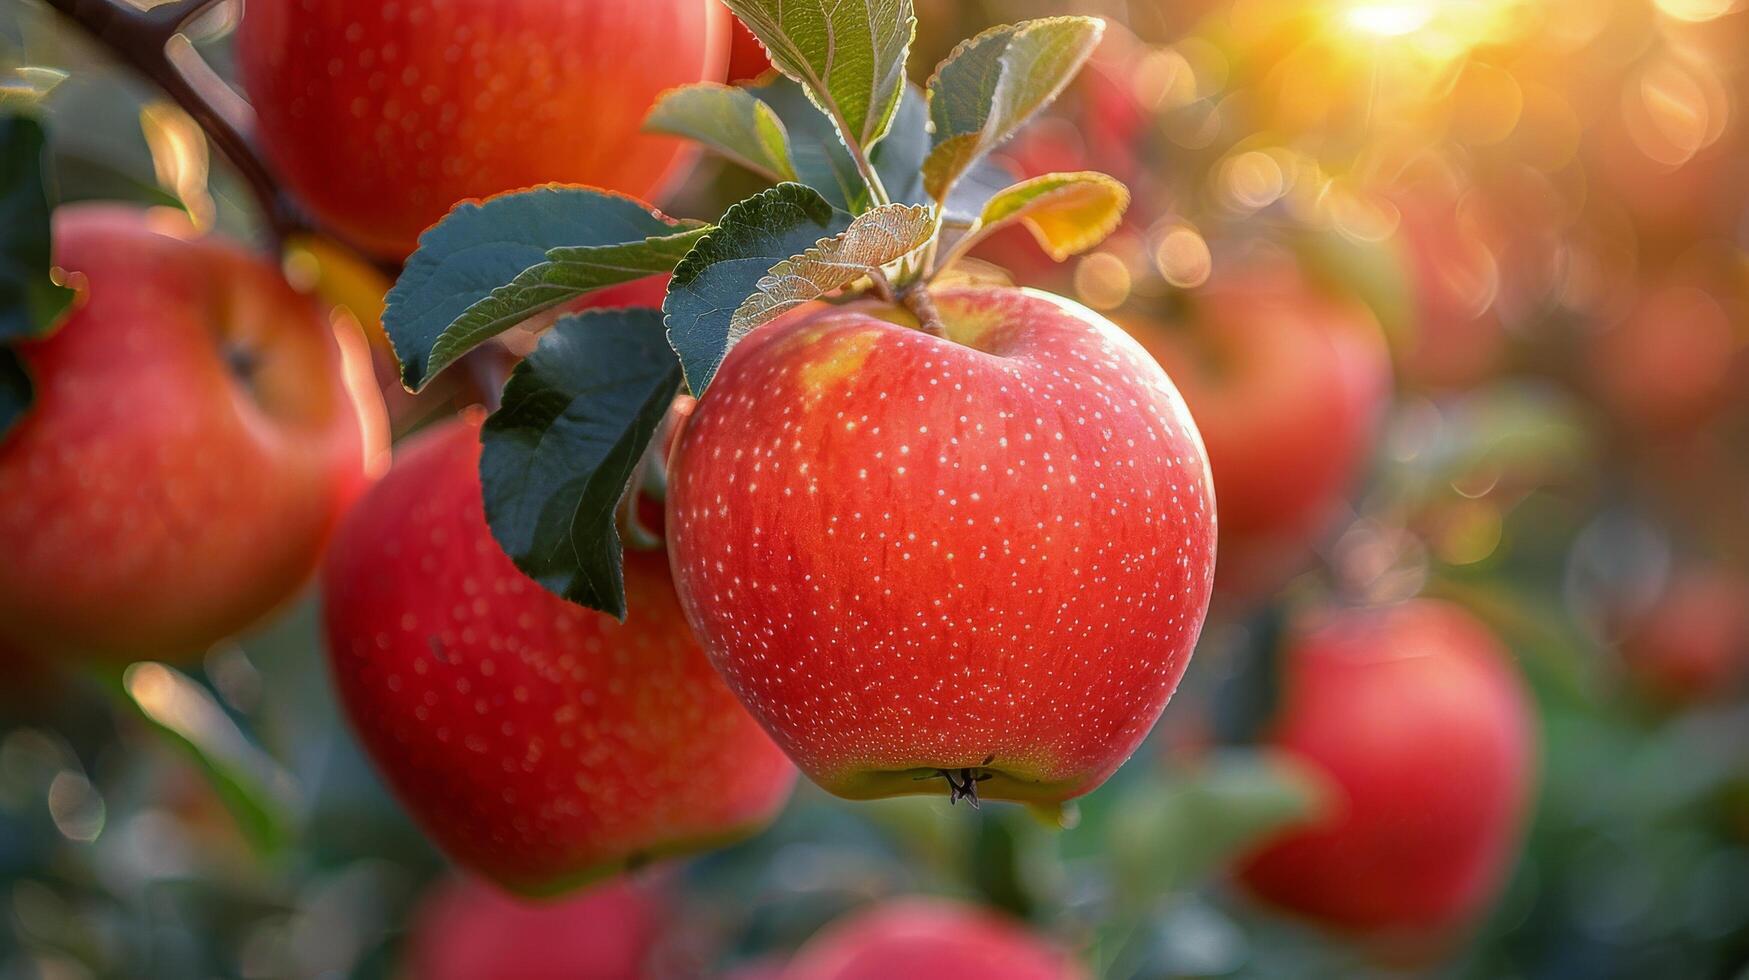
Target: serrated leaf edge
983	141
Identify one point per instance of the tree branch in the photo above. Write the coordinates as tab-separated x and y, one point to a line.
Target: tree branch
150	41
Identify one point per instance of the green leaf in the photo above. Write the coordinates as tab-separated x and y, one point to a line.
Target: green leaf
84	178
882	236
848	54
568	273
16	390
992	84
820	159
560	452
824	164
31	302
1167	834
261	795
1067	213
727	266
448	297
899	158
730	121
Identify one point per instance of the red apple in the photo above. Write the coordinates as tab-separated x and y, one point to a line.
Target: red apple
1674	361
380	116
467	930
1419	722
1288	387
539	743
929	939
985	556
199	429
1692	644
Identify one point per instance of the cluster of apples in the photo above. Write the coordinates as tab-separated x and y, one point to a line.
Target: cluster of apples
983	557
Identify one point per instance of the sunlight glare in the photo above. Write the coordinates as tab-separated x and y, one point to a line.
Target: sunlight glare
1391	19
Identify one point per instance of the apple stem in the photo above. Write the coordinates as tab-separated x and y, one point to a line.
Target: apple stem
883	287
916	299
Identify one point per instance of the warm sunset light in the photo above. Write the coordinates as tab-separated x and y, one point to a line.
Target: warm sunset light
1391	19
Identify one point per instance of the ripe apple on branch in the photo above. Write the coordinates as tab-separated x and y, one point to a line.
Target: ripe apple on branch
924	532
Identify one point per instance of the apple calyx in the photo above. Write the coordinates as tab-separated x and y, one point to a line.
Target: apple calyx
963	785
878	186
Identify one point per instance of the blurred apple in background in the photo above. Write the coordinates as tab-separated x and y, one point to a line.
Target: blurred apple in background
1692	643
380	117
1287	386
929	939
199	429
467	930
541	744
1417	717
1676	358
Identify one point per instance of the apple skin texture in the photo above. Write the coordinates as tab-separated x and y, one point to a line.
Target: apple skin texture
928	939
1288	388
1419	721
198	432
468	930
539	743
381	116
909	554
